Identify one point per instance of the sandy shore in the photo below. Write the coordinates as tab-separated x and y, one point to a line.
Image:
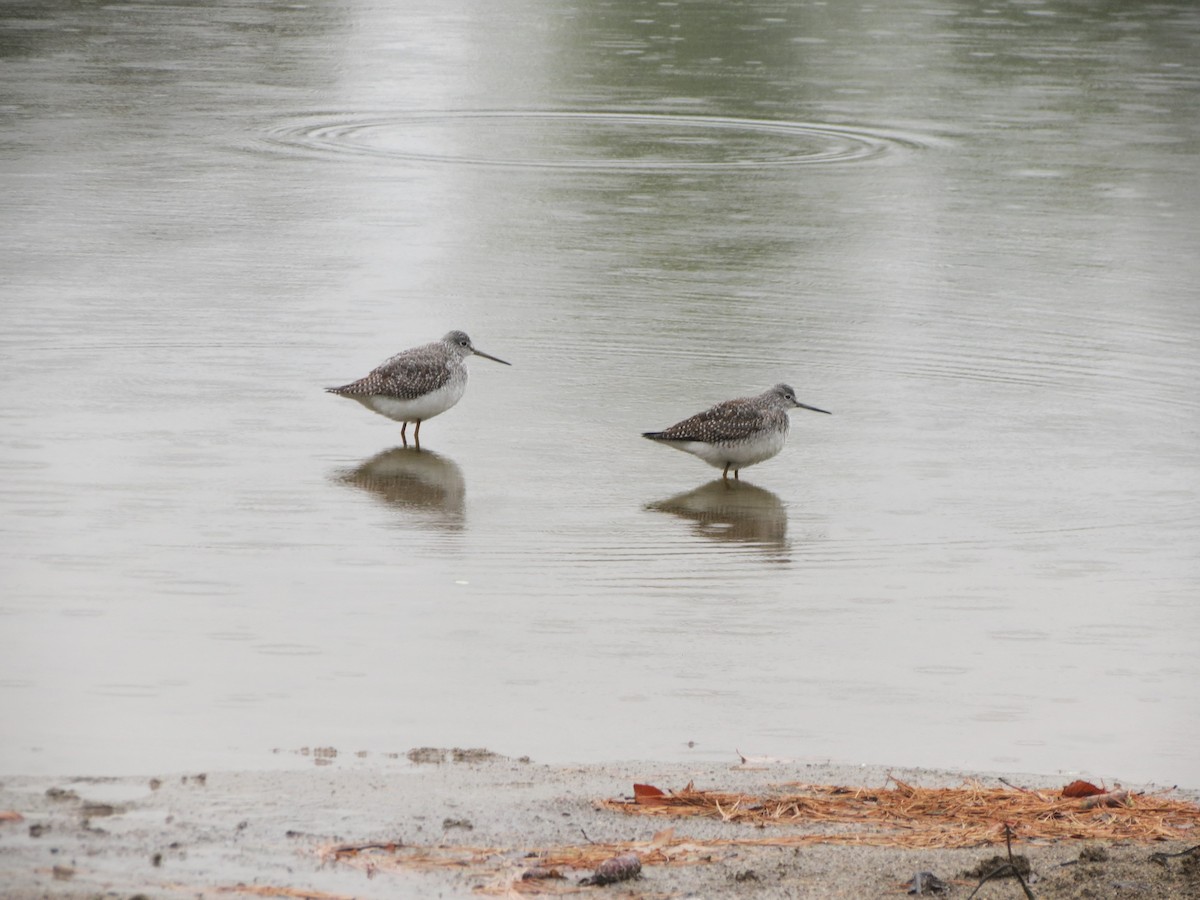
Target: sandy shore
270	834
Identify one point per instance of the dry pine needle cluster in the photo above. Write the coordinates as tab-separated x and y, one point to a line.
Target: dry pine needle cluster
917	817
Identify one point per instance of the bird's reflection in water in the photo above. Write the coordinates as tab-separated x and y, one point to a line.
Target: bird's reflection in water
416	480
731	511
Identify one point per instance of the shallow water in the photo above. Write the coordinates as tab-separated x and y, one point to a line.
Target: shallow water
967	230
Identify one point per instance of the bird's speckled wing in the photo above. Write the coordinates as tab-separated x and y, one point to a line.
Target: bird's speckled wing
733	420
406	376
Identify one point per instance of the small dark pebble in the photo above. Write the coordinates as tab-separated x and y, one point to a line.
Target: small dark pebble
1093	853
926	883
156	860
746	875
614	869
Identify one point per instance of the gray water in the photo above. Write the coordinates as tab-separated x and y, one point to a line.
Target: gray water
968	229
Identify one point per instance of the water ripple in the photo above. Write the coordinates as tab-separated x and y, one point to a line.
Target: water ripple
586	140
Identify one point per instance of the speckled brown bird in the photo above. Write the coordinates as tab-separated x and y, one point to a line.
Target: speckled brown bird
417	384
736	433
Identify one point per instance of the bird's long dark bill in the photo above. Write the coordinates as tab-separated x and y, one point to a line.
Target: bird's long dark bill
492	358
813	408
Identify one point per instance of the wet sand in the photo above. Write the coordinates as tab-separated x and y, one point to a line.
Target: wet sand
270	834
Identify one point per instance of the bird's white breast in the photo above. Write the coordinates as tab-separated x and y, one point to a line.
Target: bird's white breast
740	454
424	407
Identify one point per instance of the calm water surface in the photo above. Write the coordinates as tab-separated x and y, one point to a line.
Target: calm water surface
968	229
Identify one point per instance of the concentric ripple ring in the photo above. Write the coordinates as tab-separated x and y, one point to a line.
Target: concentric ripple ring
585	140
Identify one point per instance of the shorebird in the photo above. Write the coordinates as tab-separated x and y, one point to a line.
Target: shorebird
417	384
736	433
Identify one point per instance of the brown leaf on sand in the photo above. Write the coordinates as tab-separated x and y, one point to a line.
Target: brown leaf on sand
1082	789
10	815
648	795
